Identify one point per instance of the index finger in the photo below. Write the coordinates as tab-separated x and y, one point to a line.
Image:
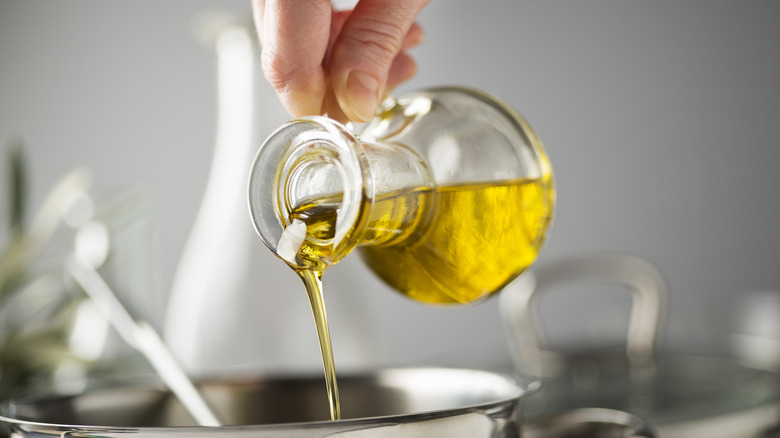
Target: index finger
294	37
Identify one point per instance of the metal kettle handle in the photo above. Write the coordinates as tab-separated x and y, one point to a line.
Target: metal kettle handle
649	292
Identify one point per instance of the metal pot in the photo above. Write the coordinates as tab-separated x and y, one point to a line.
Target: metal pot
589	423
417	402
681	395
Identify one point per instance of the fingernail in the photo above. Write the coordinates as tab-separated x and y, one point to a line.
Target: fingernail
363	96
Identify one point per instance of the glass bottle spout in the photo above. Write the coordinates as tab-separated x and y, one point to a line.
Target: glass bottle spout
314	187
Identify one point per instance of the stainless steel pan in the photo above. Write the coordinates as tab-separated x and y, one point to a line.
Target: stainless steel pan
681	395
419	402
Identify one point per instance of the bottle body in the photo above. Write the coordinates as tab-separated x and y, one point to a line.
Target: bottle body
447	193
482	237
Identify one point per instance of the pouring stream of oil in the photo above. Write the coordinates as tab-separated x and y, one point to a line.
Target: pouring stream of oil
313	282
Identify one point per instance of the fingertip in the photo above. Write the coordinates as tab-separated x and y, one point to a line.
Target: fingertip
304	95
414	37
402	69
361	96
332	109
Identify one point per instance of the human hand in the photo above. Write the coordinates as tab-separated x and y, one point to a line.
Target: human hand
337	62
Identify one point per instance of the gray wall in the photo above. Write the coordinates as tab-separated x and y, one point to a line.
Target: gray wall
660	119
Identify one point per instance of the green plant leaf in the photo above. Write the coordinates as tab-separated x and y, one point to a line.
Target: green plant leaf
17	186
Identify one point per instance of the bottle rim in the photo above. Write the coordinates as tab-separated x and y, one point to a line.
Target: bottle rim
287	170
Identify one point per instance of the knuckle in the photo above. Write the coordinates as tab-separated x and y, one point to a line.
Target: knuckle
380	39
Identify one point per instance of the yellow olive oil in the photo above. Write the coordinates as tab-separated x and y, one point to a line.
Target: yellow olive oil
481	237
313	282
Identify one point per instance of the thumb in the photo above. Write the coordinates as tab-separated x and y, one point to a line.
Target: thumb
364	51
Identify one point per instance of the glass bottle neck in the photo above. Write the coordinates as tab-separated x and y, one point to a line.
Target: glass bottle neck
316	192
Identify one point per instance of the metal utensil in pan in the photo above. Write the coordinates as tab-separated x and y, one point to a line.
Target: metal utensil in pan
414	402
681	395
91	250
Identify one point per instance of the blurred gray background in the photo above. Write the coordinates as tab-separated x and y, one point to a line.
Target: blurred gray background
660	120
